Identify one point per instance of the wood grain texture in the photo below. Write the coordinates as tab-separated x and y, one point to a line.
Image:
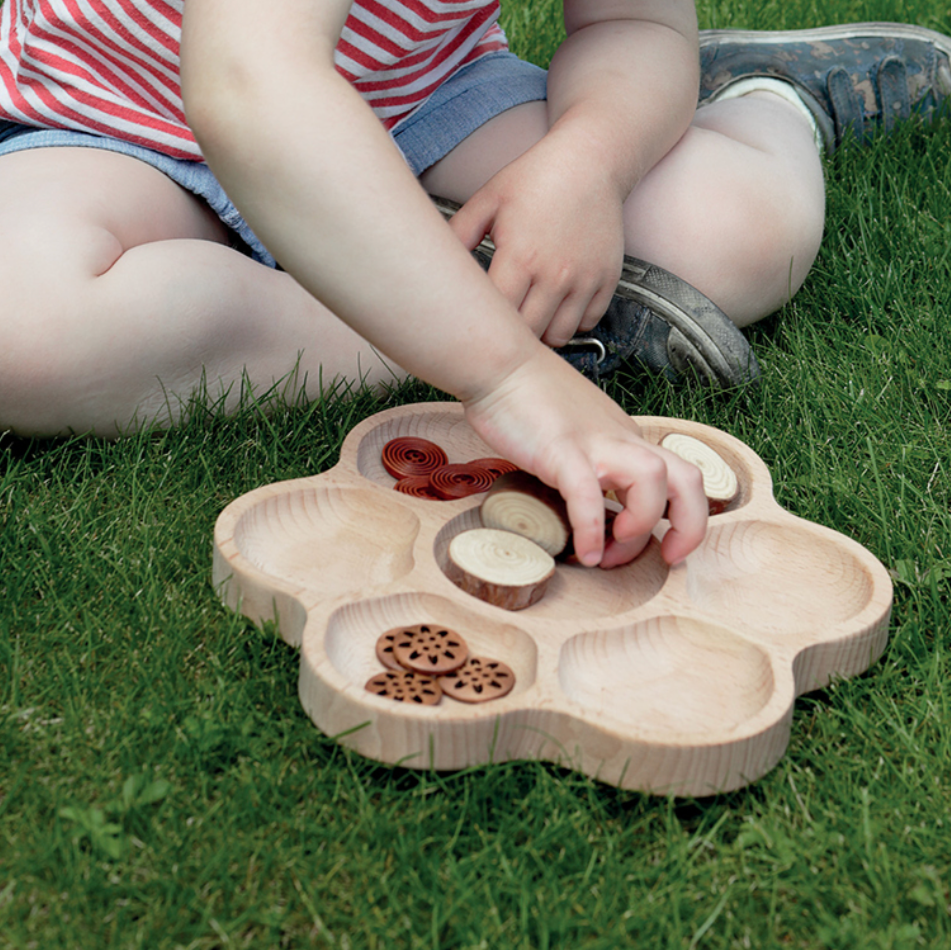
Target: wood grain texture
500	567
666	680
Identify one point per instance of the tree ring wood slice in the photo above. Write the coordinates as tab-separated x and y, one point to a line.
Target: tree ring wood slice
405	686
479	680
522	503
409	455
499	567
429	649
720	483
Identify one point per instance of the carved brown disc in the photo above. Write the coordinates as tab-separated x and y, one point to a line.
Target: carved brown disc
408	455
429	649
460	480
417	486
478	680
384	649
496	466
405	686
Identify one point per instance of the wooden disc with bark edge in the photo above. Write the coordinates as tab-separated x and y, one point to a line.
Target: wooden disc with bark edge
478	680
405	686
429	649
499	567
720	483
522	503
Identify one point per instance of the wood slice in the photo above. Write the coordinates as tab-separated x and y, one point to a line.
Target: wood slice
522	503
720	484
500	567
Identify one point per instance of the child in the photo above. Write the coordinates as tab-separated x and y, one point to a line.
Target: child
128	276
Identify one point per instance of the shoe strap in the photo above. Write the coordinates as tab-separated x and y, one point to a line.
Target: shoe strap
848	109
891	88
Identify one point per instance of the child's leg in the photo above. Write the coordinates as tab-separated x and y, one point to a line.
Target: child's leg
736	208
120	296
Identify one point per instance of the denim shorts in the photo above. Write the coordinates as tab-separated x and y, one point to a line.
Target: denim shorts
464	102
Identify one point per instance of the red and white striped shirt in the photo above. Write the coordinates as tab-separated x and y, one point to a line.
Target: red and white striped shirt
112	66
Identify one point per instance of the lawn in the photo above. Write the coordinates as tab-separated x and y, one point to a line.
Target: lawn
160	786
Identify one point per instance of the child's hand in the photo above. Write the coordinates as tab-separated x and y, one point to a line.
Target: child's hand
559	239
550	420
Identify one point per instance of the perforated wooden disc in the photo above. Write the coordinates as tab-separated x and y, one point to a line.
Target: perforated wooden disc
405	686
429	649
478	680
384	649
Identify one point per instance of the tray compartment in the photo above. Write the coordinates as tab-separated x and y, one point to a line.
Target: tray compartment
446	429
752	476
352	632
576	592
783	579
668	676
328	539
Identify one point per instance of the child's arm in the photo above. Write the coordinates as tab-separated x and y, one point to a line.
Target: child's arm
322	184
622	90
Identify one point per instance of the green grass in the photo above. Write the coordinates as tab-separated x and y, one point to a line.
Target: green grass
160	786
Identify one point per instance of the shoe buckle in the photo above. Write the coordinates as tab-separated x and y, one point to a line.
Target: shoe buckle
588	342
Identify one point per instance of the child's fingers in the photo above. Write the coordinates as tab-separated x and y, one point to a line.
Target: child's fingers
664	484
554	311
617	552
585	503
641	486
687	510
564	320
640	477
472	222
552	317
514	283
597	307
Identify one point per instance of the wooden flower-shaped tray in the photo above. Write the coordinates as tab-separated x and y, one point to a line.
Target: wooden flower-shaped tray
667	680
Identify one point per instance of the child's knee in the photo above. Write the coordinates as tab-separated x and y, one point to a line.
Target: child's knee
744	236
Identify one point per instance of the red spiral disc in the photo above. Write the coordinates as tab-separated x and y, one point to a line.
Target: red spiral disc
409	455
417	486
460	480
496	467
